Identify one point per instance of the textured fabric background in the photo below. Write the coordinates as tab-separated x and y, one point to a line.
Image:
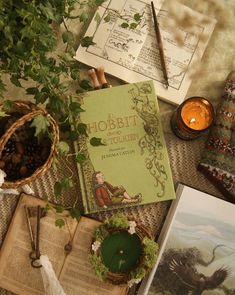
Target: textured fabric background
184	156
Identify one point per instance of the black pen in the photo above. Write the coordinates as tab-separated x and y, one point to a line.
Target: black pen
160	44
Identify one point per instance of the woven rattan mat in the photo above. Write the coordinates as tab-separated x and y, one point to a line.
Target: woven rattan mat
184	157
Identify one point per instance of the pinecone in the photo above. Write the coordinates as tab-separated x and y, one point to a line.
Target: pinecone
9	148
33	164
31	148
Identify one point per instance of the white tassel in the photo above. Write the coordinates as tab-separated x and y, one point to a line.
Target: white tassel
50	281
2	176
9	191
27	189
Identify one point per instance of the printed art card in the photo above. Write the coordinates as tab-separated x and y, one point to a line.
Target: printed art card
197	248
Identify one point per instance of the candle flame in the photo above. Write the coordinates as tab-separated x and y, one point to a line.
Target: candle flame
193	120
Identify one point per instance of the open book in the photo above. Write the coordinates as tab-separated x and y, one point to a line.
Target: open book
73	270
125	44
131	167
197	247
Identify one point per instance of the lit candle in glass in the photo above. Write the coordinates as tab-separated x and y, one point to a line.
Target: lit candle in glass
192	118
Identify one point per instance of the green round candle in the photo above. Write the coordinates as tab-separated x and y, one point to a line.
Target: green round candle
121	251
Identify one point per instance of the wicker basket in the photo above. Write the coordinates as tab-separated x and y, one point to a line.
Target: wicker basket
27	112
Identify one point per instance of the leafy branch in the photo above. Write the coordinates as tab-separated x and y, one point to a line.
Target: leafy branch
30	32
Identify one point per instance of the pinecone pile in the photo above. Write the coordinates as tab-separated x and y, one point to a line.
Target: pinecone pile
24	153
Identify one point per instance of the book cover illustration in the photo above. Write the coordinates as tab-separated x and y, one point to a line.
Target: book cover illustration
199	256
132	166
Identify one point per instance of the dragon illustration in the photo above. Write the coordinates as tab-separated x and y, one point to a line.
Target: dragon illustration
177	273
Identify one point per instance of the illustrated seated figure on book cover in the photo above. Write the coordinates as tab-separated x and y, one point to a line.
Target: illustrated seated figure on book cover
107	195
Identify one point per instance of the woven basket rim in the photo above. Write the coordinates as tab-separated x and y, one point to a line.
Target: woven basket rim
34	110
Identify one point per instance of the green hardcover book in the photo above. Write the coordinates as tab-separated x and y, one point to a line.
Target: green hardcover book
132	165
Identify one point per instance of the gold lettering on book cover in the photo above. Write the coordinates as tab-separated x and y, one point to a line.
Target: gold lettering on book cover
150	144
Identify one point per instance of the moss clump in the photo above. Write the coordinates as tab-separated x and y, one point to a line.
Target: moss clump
119	221
138	273
101	233
100	269
150	251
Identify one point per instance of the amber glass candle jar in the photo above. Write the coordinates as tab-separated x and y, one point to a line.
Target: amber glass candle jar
192	118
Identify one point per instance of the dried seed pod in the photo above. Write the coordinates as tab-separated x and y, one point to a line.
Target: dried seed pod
23	171
19	148
16	158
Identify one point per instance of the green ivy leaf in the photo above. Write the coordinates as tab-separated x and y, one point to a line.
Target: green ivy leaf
55	80
107	18
47	10
75	213
15	81
7	105
75	108
59	208
87	41
57	189
41	97
67	57
80	158
83	17
3	114
97	19
41	124
85	84
67	183
124	25
32	90
94	141
60	222
75	74
82	128
68	37
63	147
62	186
47	207
137	17
73	135
133	26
